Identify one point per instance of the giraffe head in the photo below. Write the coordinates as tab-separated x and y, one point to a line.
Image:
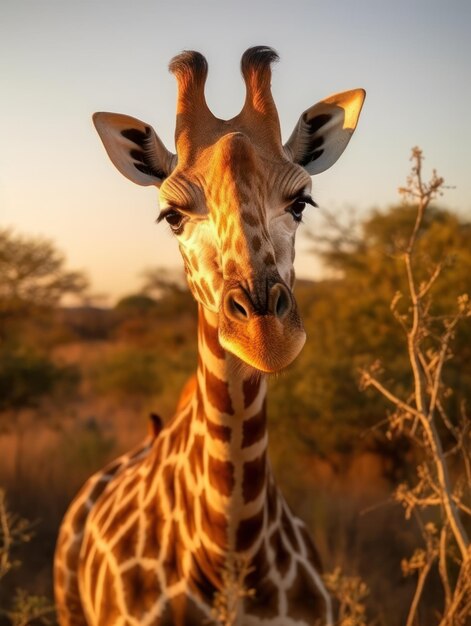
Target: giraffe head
234	195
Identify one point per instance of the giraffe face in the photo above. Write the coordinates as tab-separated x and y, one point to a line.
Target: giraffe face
235	214
233	194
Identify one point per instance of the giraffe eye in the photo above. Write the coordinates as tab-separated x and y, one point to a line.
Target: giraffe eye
296	209
175	220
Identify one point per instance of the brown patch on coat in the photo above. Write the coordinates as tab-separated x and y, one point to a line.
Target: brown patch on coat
282	555
213	523
254	475
211	338
168	481
217	392
188	506
126	546
178	437
221	475
231	268
254	428
94	573
172	563
249	218
195	455
249	530
110	612
79	519
256	243
98	489
72	555
219	431
141	590
154	527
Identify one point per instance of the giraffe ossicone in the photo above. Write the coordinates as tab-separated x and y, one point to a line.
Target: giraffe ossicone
155	537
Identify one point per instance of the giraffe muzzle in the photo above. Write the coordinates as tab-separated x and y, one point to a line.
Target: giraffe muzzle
265	332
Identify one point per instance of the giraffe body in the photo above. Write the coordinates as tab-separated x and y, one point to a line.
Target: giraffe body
191	528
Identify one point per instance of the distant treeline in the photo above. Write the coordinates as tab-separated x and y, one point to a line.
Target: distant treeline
347	317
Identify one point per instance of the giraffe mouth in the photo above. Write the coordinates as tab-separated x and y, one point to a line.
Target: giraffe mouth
265	342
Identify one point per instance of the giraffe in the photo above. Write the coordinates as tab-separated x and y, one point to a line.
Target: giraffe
158	536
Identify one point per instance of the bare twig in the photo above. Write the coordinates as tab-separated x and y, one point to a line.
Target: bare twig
429	348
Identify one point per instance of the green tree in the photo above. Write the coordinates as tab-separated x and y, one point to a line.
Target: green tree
33	274
348	320
33	281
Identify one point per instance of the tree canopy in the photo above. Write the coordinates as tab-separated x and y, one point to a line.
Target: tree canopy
350	324
33	273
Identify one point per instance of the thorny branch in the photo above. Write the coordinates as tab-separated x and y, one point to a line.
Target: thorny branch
417	416
25	609
14	531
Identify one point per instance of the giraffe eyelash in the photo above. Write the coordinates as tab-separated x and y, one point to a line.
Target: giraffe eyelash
175	219
298	205
165	212
308	200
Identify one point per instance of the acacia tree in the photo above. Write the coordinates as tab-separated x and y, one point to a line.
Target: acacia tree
33	273
33	281
439	498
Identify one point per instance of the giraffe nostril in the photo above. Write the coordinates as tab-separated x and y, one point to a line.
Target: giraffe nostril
240	309
280	301
237	305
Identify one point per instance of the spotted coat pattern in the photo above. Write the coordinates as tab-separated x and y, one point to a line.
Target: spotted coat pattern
147	539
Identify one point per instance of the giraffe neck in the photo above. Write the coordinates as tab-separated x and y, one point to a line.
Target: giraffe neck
230	404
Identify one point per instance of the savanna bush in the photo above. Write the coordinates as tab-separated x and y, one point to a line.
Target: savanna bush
129	372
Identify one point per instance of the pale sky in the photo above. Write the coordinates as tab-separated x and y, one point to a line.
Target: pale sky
61	60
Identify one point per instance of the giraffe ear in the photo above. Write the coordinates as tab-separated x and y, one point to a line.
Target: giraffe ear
134	148
323	131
